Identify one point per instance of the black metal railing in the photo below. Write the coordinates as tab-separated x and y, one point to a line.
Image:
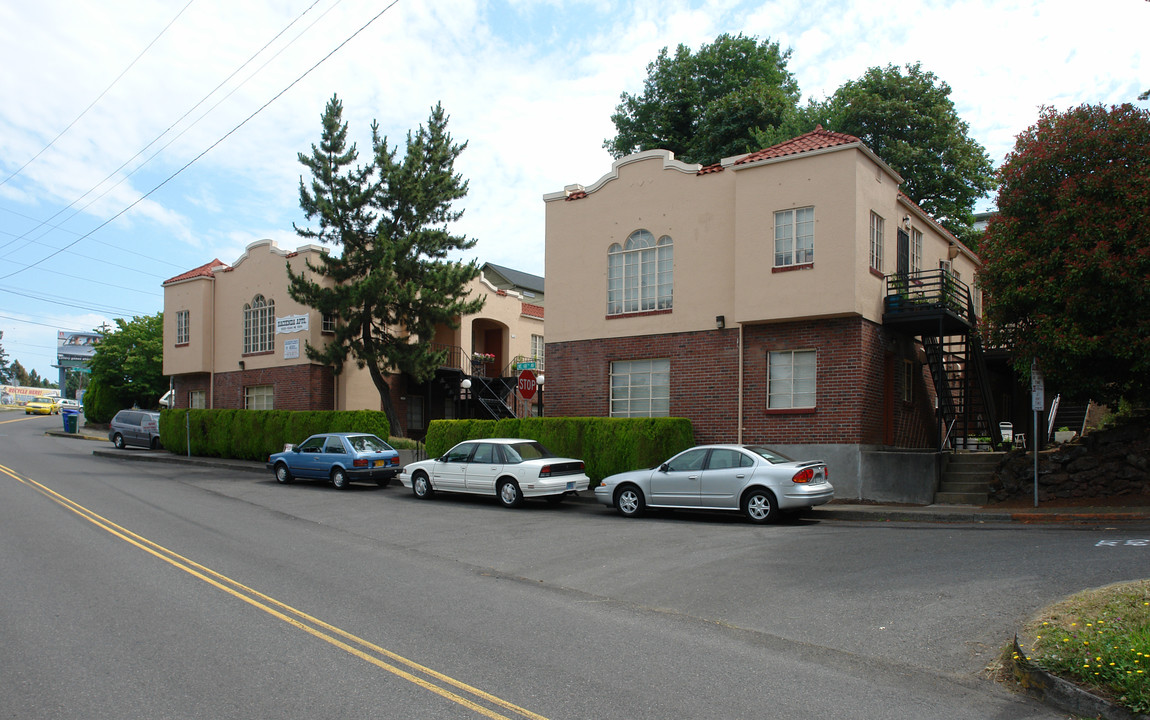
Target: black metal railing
928	290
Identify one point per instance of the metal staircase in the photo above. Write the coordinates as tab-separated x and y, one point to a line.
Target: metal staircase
937	308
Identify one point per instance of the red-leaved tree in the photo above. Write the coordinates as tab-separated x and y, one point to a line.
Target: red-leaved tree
1067	260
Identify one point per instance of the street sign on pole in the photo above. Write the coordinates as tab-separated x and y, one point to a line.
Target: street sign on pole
527	385
1037	389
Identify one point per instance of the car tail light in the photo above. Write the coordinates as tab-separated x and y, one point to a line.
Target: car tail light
360	462
545	471
395	461
803	476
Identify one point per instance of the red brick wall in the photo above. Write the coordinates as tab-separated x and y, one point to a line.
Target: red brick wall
297	387
855	394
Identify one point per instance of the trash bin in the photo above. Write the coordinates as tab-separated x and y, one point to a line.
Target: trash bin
71	420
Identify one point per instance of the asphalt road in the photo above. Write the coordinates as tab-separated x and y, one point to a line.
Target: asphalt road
145	590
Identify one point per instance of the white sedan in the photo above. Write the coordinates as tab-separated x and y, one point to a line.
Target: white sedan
511	469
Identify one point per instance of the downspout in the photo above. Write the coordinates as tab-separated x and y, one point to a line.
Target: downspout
740	388
212	349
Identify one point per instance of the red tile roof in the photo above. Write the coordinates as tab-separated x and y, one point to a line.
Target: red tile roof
577	195
531	310
204	270
816	139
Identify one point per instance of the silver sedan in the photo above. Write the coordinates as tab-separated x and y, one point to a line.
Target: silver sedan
760	482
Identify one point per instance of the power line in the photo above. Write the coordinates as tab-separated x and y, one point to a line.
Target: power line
245	121
99	97
108	309
166	131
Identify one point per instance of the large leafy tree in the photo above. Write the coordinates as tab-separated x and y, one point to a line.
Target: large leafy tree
128	363
704	106
1067	259
393	282
906	116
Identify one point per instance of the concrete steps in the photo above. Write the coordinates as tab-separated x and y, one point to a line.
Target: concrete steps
966	478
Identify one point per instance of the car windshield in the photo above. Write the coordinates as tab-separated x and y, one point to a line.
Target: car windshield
518	452
368	443
772	456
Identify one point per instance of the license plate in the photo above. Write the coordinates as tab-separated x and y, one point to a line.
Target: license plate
571	485
378	463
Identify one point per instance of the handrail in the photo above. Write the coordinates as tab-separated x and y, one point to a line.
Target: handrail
928	289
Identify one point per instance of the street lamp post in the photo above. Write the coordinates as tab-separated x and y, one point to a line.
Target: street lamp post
539	382
465	391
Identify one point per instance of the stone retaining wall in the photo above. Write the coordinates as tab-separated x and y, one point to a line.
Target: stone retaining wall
1105	463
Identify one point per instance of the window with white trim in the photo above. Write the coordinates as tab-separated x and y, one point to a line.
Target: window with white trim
907	380
915	250
639	274
259	325
327	324
641	388
259	397
794	237
537	347
183	327
791	379
876	240
197	399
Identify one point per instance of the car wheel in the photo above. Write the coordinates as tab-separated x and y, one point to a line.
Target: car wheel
759	506
629	501
421	486
154	444
339	479
383	482
118	441
283	475
509	494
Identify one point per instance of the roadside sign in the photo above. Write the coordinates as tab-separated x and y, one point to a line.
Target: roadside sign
525	365
527	384
1037	389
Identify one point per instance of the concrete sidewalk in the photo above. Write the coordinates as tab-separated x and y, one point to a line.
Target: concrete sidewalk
836	510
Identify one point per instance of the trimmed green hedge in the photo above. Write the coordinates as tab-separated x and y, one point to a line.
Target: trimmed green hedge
255	434
605	445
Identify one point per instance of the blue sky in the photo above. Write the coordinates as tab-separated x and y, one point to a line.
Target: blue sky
90	91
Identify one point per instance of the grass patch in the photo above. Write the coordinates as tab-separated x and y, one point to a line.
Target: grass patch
1098	639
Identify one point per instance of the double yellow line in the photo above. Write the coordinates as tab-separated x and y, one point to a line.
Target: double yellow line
438	683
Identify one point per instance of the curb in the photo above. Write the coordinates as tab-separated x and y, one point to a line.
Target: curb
1056	692
144	455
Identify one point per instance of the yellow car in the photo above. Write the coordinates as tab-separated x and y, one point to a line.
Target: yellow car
42	406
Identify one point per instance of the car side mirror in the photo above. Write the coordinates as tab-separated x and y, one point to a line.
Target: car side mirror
663	467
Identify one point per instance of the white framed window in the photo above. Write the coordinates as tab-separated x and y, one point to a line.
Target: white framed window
791	379
537	347
259	397
794	237
183	327
327	323
259	325
641	388
197	399
915	250
640	274
907	380
877	225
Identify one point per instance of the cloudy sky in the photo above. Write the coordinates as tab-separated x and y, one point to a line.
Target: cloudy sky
140	139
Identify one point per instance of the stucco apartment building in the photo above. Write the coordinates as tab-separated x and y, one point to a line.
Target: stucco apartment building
233	338
763	298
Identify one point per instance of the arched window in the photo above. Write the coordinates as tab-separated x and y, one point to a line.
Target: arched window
259	325
639	274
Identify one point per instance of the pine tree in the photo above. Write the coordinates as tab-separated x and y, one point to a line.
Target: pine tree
393	283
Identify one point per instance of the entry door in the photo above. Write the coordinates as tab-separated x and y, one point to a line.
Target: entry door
903	253
679	483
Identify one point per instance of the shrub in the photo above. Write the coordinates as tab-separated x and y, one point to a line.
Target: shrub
255	434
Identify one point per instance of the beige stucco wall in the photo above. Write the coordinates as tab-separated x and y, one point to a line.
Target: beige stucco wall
722	224
216	322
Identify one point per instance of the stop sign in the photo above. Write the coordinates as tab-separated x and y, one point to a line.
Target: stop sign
527	384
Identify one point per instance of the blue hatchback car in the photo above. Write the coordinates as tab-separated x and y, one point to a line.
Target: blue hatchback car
339	458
